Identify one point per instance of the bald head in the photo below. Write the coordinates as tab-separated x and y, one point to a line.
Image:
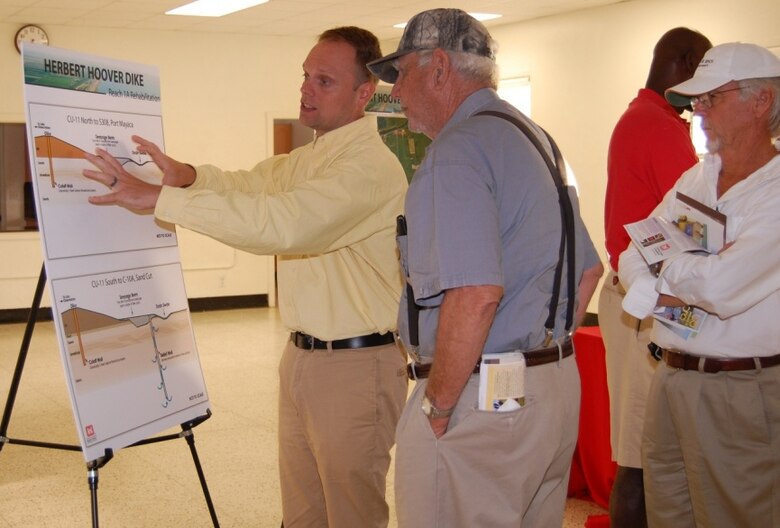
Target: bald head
675	58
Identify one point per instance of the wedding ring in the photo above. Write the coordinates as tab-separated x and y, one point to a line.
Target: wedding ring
114	182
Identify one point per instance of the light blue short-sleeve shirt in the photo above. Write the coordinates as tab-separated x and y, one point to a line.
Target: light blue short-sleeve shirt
483	209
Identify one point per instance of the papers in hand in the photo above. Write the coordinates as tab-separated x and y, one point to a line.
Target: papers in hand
695	227
685	321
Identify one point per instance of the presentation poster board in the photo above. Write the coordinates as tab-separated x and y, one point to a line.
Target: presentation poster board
409	147
117	291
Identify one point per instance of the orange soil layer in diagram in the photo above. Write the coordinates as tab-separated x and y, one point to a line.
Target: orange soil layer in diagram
77	320
52	147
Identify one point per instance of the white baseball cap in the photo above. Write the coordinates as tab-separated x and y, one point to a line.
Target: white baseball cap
724	63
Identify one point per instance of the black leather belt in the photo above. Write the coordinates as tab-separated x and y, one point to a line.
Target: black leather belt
308	342
713	365
532	359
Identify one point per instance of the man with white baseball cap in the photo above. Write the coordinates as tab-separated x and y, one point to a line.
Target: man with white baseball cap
724	63
711	442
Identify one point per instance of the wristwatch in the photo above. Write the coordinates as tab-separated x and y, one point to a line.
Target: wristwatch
431	411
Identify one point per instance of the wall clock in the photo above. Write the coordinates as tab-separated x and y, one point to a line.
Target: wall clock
30	33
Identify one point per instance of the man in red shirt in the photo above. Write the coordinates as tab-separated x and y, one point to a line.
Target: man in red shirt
649	149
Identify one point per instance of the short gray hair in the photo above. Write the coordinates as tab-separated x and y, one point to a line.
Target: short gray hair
753	86
472	67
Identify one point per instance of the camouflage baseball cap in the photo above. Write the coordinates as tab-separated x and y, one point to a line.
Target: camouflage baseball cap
448	29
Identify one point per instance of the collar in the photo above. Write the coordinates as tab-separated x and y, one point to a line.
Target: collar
712	165
351	132
475	102
649	96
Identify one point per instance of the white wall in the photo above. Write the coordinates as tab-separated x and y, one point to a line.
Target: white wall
220	94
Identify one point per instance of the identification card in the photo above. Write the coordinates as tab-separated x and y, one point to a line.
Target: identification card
502	382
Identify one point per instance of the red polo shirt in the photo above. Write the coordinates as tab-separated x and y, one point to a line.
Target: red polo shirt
650	148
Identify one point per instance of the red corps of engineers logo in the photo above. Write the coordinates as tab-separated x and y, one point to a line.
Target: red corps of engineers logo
90	431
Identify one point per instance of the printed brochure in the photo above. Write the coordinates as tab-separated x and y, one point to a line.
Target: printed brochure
696	227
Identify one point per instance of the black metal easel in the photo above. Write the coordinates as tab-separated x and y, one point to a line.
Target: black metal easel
94	465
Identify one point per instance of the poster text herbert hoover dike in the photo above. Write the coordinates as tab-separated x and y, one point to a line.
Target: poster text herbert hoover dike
96	73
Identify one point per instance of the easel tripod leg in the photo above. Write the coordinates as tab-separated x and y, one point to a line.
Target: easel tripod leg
92	480
9	403
190	437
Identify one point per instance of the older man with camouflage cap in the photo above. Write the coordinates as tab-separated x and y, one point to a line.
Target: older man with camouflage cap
711	441
480	254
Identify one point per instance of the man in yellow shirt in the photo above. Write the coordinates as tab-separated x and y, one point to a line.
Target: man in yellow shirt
328	210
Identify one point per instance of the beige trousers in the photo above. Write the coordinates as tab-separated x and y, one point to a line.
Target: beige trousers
337	415
491	470
711	449
630	369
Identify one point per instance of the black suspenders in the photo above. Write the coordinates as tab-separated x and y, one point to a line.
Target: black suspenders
558	172
566	249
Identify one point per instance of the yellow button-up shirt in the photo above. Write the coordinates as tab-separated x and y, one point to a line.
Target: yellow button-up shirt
328	209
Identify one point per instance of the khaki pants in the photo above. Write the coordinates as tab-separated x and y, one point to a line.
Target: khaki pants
630	369
491	470
337	416
711	449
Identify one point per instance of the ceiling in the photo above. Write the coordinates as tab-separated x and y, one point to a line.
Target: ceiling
306	18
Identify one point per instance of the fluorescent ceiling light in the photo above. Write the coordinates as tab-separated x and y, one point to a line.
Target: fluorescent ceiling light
214	8
479	16
485	16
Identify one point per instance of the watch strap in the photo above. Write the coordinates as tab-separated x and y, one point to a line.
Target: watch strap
430	409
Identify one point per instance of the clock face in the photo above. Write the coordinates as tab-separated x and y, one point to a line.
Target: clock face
32	34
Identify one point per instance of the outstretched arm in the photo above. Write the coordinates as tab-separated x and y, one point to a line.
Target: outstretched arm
126	190
175	173
129	191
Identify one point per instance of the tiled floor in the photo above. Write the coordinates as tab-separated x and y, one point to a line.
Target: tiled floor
156	485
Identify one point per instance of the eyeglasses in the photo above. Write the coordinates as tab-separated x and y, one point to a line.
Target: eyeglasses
706	100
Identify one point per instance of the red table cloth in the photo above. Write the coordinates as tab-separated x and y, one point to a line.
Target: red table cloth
592	470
